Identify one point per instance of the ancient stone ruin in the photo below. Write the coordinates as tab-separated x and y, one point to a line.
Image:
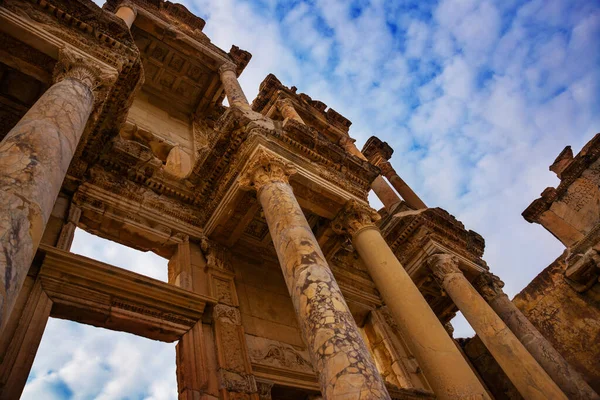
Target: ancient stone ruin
283	282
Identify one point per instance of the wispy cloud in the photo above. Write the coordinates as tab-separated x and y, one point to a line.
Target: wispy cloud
476	97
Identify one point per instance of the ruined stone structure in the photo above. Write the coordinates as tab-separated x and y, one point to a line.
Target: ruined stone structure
282	282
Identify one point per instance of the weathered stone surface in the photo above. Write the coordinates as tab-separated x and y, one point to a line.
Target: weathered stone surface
337	350
445	368
526	374
569	320
566	377
34	157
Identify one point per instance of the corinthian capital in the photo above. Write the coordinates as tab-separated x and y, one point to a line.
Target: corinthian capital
228	66
72	65
353	218
264	168
443	264
488	285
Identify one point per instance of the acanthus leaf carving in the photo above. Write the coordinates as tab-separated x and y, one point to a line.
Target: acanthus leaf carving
442	265
264	168
353	218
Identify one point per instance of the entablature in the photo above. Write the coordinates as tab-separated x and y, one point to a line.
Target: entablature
95	293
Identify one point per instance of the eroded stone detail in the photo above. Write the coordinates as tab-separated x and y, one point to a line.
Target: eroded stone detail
355	217
264	169
34	157
488	285
337	350
443	265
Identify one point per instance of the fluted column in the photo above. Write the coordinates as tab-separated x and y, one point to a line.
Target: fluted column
127	12
444	367
565	376
34	157
337	350
382	189
288	111
231	85
521	368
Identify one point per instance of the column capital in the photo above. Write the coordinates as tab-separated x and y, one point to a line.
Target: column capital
228	66
354	218
73	65
129	4
284	102
386	168
442	265
488	285
264	168
376	150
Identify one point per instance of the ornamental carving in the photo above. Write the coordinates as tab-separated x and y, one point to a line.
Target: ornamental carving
228	67
583	270
227	314
488	285
443	264
353	218
217	256
276	354
71	65
265	168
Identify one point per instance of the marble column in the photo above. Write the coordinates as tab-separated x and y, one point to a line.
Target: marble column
398	183
288	111
34	157
382	189
444	367
338	352
379	154
127	12
565	376
521	368
231	85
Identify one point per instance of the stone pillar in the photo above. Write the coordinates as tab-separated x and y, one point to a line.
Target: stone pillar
405	191
67	232
444	367
34	157
521	368
379	153
22	337
382	189
338	353
127	12
233	90
288	111
565	376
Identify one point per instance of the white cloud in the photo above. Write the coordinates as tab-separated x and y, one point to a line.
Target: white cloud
476	97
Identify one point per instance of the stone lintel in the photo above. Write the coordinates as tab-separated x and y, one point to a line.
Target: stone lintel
95	293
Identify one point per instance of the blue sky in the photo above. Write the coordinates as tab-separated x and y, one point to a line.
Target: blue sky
476	97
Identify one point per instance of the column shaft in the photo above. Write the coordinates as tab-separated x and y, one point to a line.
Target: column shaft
34	157
385	193
231	85
565	376
339	355
127	13
382	189
288	111
520	367
445	368
409	196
